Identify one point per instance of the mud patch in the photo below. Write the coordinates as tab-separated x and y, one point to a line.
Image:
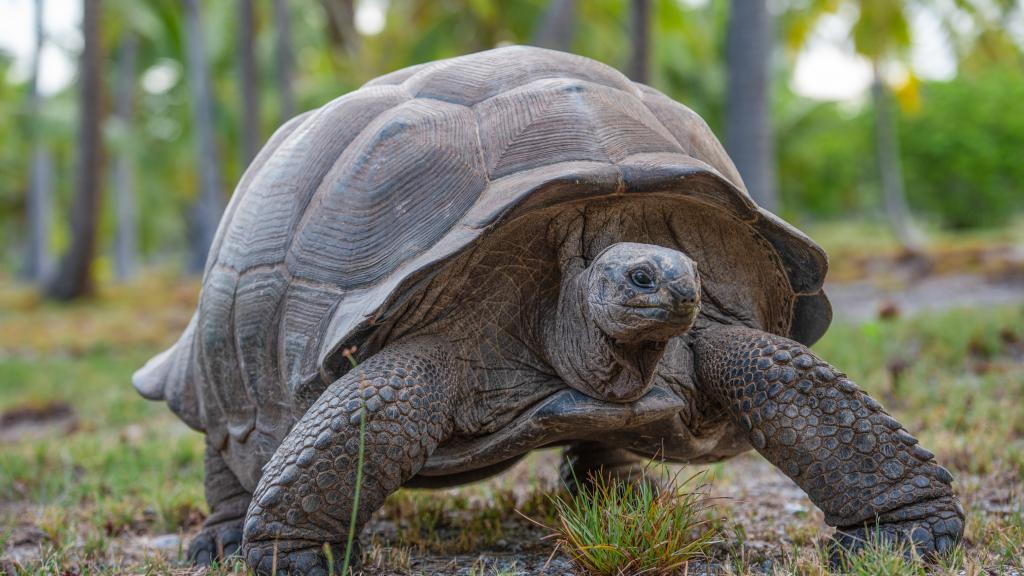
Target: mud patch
866	300
36	421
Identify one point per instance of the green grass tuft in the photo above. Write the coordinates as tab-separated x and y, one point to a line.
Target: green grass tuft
881	557
618	528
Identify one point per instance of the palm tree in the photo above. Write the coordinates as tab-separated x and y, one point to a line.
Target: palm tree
639	66
285	62
890	169
341	25
248	81
557	26
880	34
74	276
126	235
748	129
210	203
37	248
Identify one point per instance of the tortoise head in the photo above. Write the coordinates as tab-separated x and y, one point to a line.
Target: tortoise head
615	316
642	293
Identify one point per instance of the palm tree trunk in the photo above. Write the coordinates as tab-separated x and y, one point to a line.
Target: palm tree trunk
74	276
639	40
248	81
210	204
557	27
341	25
37	248
890	170
285	61
748	130
126	235
38	262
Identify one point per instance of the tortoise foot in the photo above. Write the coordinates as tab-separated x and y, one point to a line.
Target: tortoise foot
216	543
283	557
927	530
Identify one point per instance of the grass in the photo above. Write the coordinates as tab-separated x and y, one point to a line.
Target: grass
868	250
90	495
347	562
881	557
952	378
613	529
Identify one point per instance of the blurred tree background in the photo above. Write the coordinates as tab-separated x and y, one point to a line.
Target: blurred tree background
130	161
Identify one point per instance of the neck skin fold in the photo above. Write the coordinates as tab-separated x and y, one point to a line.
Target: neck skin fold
586	358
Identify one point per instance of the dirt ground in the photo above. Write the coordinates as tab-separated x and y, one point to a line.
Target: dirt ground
770	521
95	481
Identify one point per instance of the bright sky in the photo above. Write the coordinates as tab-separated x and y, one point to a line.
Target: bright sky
61	19
826	69
829	69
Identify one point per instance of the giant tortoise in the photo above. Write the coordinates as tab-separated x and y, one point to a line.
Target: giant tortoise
518	249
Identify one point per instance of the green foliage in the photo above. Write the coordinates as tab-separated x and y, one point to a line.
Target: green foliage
613	528
13	153
959	154
954	376
820	174
799	21
881	28
962	151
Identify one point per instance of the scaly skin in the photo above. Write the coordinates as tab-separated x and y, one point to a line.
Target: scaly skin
857	463
305	497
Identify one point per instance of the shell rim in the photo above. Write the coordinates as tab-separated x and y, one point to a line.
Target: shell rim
664	173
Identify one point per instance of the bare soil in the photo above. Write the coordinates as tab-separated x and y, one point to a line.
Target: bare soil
866	299
30	422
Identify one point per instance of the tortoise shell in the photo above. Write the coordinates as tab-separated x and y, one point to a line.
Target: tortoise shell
351	207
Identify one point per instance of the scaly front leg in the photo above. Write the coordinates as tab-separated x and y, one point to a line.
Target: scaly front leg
857	463
306	496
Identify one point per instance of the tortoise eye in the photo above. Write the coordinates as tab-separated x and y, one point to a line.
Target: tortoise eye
641	278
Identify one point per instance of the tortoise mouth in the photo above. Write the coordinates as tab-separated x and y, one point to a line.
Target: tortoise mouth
646	322
682	316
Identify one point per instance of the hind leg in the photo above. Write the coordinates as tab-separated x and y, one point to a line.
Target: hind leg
221	535
583	461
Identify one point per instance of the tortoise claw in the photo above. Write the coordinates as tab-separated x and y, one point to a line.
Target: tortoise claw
289	558
215	543
935	534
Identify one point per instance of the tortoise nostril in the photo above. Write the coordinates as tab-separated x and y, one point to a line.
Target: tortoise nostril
683	294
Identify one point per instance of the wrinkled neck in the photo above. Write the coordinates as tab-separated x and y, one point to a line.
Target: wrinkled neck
586	358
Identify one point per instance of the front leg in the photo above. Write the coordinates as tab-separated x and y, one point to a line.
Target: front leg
857	463
306	495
